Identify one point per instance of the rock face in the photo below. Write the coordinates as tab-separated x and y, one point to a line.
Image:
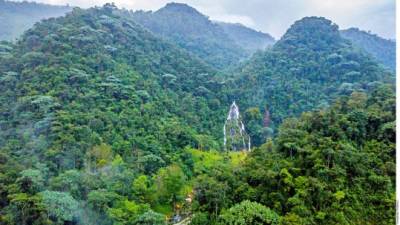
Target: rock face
235	136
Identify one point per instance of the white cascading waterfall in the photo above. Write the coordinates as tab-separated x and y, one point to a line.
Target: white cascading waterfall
235	136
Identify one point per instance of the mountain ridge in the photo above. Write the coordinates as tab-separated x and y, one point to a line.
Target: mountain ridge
195	32
307	68
381	49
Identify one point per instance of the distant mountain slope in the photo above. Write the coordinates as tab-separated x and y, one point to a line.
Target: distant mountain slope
306	69
16	17
382	49
247	38
196	33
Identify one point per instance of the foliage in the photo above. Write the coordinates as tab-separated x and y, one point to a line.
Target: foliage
381	49
31	181
307	69
60	206
194	32
150	218
127	212
169	182
102	122
249	213
90	103
334	166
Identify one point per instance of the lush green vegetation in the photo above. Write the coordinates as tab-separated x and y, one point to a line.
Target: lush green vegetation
17	17
102	122
381	49
219	45
308	68
334	166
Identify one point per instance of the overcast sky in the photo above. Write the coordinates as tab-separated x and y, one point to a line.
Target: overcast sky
275	16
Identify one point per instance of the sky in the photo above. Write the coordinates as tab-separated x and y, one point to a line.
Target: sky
276	16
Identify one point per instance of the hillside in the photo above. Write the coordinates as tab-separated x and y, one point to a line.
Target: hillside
93	94
17	17
247	38
381	49
196	33
333	166
306	69
78	73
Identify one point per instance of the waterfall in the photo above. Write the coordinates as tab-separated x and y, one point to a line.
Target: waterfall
235	136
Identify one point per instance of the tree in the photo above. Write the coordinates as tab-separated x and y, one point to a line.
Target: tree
60	206
210	194
150	218
141	189
31	181
99	156
249	213
26	209
126	212
169	182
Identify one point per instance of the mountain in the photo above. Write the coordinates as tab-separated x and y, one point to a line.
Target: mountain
93	94
214	43
381	49
17	17
67	80
247	38
103	121
306	69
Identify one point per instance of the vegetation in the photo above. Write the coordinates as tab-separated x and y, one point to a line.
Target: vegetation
248	212
307	69
381	49
334	166
220	45
102	122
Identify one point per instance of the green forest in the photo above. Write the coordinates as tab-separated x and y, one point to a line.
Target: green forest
111	117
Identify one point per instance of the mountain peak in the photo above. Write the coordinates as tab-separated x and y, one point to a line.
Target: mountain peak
316	33
308	26
179	8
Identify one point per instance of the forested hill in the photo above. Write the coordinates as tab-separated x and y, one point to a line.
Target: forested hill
307	68
196	33
95	78
80	71
334	166
104	122
382	49
17	17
